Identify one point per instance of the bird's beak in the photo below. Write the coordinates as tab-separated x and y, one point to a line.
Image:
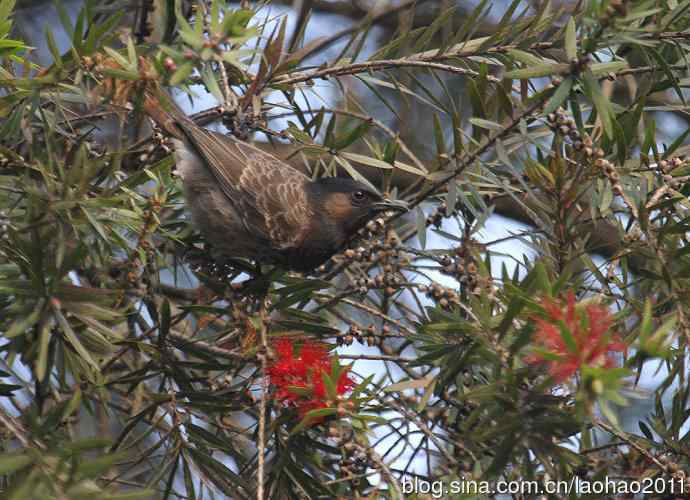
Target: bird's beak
396	205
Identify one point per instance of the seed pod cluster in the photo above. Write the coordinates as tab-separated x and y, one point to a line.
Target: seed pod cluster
462	265
562	124
375	227
441	212
161	141
368	336
16	161
609	171
445	297
4	226
133	275
668	166
433	414
355	460
157	147
615	8
388	254
370	251
633	235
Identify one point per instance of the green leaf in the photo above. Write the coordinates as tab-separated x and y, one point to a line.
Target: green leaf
274	49
561	94
421	227
6	8
526	58
442	19
606	200
96	225
130	495
330	386
211	83
96	466
181	74
646	323
221	476
646	430
571	40
346	138
486	124
119	59
65	18
191	38
607	67
309	418
538	71
352	171
420	383
21	325
8	389
121	74
98	31
73	405
215	17
367	160
52	46
439	136
235	23
567	337
10	463
72	338
78	34
409	168
601	103
43	344
132	53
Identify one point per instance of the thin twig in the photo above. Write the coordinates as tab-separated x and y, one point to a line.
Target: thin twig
16	430
350	69
262	404
623	437
377	357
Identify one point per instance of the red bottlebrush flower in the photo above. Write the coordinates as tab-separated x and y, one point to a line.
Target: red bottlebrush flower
588	328
298	380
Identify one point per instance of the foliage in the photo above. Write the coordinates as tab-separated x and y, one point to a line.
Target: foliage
134	366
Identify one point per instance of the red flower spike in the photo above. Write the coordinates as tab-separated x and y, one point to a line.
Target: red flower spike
298	380
588	329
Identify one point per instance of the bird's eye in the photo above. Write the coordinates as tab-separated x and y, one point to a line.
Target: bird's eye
359	196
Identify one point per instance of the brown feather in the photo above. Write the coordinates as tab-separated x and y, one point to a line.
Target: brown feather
269	193
250	204
164	111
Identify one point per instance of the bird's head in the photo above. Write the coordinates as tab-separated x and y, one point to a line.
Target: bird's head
350	204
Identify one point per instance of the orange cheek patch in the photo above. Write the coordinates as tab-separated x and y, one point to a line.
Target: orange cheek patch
338	206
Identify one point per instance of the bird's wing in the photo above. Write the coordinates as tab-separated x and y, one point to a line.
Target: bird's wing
270	195
280	197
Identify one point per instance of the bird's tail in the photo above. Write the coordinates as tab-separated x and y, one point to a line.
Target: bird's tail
163	110
159	105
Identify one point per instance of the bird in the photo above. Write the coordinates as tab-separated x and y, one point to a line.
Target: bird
249	204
